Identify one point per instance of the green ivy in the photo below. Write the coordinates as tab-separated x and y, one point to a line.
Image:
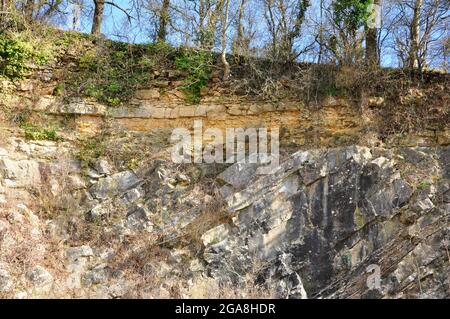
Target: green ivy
14	56
197	65
352	13
112	76
35	133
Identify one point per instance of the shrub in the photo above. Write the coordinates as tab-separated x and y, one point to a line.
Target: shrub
423	185
159	47
90	150
113	74
197	64
88	62
35	133
17	52
14	56
58	90
67	38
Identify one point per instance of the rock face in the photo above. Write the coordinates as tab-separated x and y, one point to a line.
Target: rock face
348	222
356	208
115	184
325	216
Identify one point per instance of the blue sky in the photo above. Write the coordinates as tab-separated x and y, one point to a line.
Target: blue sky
117	27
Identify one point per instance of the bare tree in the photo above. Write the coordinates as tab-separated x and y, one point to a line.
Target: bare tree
163	20
284	21
240	47
99	8
226	65
372	54
209	14
321	44
418	31
415	35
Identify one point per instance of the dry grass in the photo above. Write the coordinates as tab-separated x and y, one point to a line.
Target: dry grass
212	214
27	244
138	258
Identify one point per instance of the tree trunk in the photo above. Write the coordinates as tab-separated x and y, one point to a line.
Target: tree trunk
98	17
202	21
214	15
29	10
319	59
226	65
372	56
415	35
76	13
238	47
163	21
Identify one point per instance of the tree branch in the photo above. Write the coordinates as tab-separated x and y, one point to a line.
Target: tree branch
129	17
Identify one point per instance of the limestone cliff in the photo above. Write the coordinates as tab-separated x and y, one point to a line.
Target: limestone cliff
93	206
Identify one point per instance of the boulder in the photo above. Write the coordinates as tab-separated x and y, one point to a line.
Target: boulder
137	219
75	253
99	274
39	276
6	282
114	184
215	235
21	173
103	167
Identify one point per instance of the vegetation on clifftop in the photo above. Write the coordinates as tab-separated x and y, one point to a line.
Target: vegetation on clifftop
107	71
112	72
17	54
